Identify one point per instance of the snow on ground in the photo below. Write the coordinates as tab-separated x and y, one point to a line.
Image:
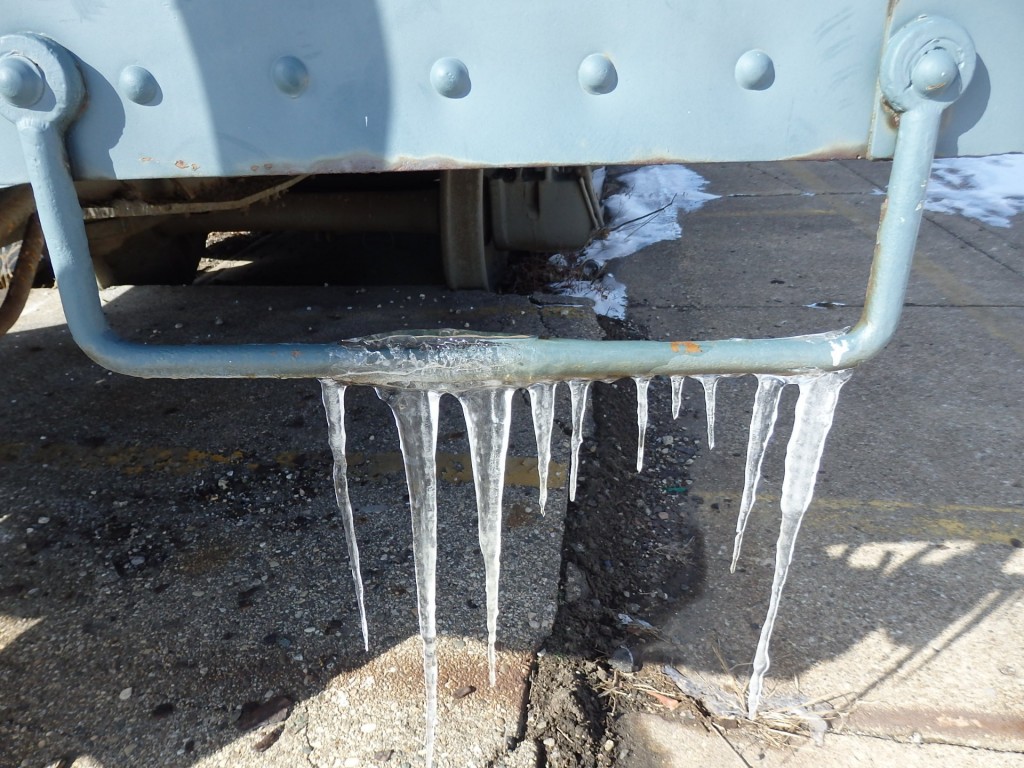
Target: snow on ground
989	189
644	210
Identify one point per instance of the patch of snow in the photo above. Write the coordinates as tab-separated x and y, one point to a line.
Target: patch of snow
607	293
644	210
989	189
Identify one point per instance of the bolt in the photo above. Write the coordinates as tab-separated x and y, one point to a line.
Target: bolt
138	85
290	75
21	82
934	71
755	71
597	74
450	78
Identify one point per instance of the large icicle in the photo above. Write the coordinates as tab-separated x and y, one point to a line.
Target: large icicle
641	418
578	396
762	424
710	383
488	415
334	405
416	416
677	394
542	408
815	409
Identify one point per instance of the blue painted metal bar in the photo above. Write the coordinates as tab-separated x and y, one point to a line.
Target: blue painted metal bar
922	84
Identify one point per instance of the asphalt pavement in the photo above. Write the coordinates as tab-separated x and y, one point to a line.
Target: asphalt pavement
174	589
174	584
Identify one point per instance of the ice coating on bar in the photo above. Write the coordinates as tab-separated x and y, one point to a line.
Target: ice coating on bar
578	397
815	409
542	408
488	416
334	405
641	419
710	387
415	414
677	394
762	425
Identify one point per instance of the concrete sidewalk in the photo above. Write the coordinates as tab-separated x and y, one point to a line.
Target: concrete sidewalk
902	618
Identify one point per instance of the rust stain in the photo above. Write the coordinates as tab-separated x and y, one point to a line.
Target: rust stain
146	159
953	724
837	152
181	164
689	347
296	354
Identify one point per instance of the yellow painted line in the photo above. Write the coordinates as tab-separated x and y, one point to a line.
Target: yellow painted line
959	293
980	523
725	213
457	468
136	460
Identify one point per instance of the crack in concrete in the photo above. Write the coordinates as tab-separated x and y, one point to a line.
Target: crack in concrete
933	219
925	741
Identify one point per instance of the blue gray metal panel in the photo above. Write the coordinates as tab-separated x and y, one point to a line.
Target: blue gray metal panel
222	109
989	117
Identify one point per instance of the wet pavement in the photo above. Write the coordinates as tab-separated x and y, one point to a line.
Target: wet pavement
174	588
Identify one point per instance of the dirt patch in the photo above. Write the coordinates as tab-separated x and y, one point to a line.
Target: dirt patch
631	556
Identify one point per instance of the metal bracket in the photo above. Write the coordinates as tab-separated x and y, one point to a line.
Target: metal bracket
927	65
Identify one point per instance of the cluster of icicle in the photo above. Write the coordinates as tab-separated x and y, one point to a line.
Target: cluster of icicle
487	411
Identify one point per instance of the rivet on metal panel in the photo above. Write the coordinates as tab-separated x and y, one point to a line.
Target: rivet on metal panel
450	78
49	68
936	70
21	82
928	61
138	84
290	75
755	71
597	74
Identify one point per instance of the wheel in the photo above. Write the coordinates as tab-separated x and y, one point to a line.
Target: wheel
467	251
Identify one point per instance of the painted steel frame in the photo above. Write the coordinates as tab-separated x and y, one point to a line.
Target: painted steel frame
927	64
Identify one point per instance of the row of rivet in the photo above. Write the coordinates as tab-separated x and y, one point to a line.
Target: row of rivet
597	75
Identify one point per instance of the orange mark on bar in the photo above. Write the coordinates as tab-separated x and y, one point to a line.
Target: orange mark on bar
690	347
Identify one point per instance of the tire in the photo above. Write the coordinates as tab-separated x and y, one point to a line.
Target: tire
470	258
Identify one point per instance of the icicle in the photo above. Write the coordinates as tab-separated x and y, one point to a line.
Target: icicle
641	418
488	414
578	395
542	406
677	394
416	416
815	409
334	405
710	385
762	424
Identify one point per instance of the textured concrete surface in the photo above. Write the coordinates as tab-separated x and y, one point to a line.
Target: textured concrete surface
903	613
